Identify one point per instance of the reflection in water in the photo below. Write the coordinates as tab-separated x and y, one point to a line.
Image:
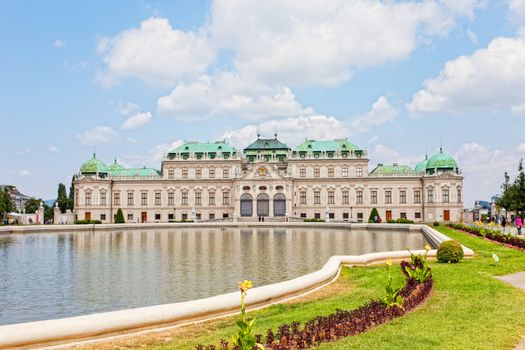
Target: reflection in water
44	276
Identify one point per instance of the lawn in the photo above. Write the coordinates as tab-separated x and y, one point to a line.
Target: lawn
468	308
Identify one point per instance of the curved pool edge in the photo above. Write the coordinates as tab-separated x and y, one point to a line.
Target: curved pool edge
82	327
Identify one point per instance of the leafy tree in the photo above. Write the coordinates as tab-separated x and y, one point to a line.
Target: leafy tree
119	218
62	199
71	198
32	205
6	203
374	213
513	193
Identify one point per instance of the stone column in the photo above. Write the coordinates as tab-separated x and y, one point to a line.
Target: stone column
56	214
41	213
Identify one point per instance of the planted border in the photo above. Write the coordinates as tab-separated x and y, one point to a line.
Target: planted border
491	234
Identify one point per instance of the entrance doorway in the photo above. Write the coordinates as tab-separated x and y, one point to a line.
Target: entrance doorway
279	205
144	217
88	215
446	215
246	205
388	215
263	205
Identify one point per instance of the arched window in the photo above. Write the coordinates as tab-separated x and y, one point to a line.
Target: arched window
246	205
263	205
279	205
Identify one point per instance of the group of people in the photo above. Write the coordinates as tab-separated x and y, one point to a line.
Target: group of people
502	220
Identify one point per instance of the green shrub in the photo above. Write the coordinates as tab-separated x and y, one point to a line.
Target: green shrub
404	221
374	213
436	223
370	221
119	218
391	221
313	220
450	252
87	222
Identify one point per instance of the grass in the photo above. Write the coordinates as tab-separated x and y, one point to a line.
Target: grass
469	309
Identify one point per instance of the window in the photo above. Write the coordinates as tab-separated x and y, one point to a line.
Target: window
88	198
171	174
360	217
157	198
359	198
331	197
317	215
359	172
303	215
198	216
211	198
184	216
345	171
330	172
171	198
302	172
184	198
317	197
171	217
198	198
211	173
198	173
225	173
403	197
417	215
373	197
417	196
302	196
225	215
212	216
263	188
403	215
116	198
345	197
226	198
102	217
459	195
184	173
331	215
130	198
445	196
388	197
130	217
430	195
102	198
317	172
279	188
144	198
345	216
246	188
157	216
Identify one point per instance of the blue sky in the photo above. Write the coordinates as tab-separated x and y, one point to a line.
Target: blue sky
135	78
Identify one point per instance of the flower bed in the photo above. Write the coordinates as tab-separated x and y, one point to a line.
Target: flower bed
345	323
491	234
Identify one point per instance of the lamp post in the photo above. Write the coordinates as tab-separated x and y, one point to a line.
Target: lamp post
351	217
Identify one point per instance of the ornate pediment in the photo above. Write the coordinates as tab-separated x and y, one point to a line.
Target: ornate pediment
263	172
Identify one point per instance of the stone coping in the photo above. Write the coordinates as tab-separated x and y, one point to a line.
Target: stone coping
40	332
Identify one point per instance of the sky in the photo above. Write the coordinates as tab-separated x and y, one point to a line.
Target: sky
134	79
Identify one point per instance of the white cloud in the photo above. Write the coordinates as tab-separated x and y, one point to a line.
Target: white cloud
152	158
516	12
491	79
382	112
58	43
155	52
137	121
24	151
464	8
127	108
99	134
53	149
521	148
226	94
472	36
386	155
24	173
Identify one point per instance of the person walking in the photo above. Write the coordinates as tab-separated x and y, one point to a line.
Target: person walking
519	223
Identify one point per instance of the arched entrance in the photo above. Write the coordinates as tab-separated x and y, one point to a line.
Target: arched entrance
246	205
263	205
279	205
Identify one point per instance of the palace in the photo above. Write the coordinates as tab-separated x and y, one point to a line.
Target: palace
318	179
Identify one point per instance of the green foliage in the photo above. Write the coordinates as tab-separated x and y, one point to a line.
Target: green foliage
6	204
32	205
373	214
87	222
119	218
62	197
513	193
392	297
404	221
370	221
71	198
436	223
391	221
450	252
314	220
244	340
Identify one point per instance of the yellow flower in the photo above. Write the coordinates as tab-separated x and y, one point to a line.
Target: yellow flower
244	286
427	247
389	262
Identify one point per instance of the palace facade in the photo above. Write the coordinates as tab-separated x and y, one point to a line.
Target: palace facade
318	179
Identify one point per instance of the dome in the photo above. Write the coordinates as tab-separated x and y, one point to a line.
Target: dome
421	167
93	166
442	161
115	166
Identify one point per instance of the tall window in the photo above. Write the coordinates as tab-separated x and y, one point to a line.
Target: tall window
211	199
184	173
198	198
302	197
184	198
344	171
345	197
211	173
430	195
388	197
417	196
331	197
116	198
88	198
225	173
373	197
459	195
171	198
402	197
359	198
144	198
359	171
226	198
198	173
317	172
157	198
446	197
102	198
130	198
317	197
330	172
302	172
171	174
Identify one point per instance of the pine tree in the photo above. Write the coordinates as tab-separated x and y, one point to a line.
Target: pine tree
62	197
71	198
373	214
119	218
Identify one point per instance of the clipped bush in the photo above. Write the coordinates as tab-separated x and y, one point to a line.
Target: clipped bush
404	221
450	252
391	221
373	214
314	220
436	223
87	222
370	221
119	218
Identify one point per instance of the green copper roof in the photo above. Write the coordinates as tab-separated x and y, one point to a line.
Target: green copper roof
442	160
327	146
204	147
115	166
93	166
392	170
267	144
133	172
421	167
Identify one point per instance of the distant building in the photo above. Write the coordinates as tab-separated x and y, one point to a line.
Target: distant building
19	199
322	179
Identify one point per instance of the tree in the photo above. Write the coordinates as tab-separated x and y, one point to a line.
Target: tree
513	194
119	218
62	197
32	205
6	203
373	214
71	198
